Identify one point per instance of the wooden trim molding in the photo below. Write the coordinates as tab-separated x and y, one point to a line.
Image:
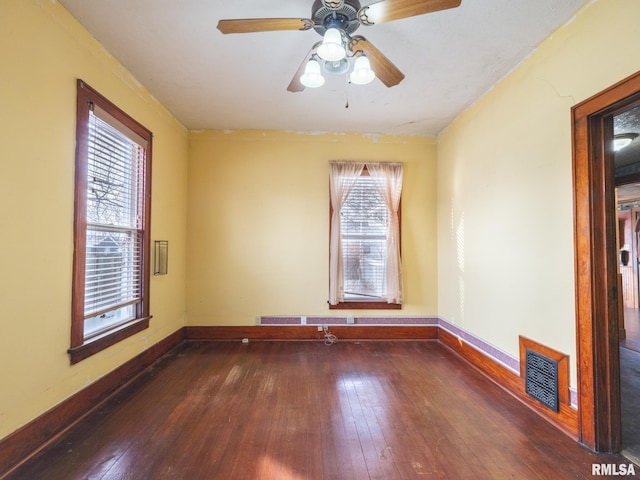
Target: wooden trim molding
596	264
23	443
95	345
387	320
87	100
566	419
308	332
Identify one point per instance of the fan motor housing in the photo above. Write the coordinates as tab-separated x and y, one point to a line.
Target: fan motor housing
344	18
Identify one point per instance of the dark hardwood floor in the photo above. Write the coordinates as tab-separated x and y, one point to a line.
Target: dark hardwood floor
630	384
306	411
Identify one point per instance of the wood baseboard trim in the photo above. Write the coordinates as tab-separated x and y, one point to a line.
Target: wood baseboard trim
31	438
310	333
566	419
362	320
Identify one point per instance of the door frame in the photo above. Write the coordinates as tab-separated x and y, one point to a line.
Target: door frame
595	224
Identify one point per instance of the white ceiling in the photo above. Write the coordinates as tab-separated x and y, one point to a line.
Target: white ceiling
213	81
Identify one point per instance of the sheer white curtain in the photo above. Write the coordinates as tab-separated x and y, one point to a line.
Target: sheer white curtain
342	176
391	189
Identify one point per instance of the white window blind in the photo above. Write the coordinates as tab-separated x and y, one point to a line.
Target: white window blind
364	225
113	268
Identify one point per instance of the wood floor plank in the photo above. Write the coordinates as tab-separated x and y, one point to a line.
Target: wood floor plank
306	411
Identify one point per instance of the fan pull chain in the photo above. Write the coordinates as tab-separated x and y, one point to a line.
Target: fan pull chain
346	93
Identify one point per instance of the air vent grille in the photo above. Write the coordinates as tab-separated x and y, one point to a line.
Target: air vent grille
541	377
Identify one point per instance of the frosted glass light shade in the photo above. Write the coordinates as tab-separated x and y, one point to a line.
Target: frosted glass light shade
312	76
621	140
332	48
362	73
620	143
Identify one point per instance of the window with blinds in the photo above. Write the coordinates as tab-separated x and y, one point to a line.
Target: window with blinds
110	299
364	223
113	268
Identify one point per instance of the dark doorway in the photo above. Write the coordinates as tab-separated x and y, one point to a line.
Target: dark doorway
599	316
626	132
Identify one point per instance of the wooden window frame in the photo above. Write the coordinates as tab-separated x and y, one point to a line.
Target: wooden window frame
82	348
368	305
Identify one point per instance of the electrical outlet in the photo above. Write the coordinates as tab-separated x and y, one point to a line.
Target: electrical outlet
319	328
245	340
351	320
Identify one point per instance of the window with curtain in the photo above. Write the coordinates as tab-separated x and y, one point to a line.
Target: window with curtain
111	241
365	269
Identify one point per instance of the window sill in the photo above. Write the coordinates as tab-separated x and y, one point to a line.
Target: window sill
365	306
97	344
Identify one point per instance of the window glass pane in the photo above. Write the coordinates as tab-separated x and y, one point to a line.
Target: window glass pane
364	227
113	265
112	271
112	187
105	321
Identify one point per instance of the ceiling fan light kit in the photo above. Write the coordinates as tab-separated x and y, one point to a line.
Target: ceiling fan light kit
336	20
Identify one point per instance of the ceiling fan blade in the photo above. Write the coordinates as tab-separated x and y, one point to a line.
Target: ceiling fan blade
389	10
385	70
250	25
296	85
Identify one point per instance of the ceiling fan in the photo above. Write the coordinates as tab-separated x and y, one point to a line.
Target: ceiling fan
336	21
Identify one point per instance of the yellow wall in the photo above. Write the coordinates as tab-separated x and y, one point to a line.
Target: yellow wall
505	207
258	227
42	52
